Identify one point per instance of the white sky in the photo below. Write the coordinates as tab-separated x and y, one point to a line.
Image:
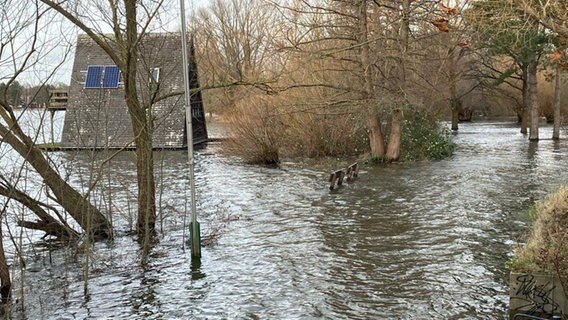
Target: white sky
65	40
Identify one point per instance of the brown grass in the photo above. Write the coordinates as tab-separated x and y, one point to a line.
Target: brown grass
546	249
319	135
256	132
264	128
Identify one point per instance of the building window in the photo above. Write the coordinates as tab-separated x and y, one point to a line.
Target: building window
154	75
102	77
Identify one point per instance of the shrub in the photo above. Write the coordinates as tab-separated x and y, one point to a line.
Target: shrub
319	135
423	138
256	132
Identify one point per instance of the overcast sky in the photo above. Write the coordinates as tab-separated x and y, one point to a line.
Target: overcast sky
62	41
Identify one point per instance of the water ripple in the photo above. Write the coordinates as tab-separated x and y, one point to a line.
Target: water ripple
409	241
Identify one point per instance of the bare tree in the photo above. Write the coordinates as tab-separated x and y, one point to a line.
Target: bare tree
375	52
552	15
24	30
235	47
15	60
130	21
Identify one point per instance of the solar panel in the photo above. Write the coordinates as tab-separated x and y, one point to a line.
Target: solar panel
112	75
94	75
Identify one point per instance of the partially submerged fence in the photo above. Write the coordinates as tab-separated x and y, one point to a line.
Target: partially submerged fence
336	177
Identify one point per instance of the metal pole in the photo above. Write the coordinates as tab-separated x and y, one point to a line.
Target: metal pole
194	227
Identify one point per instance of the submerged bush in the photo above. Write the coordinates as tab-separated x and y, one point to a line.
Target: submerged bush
264	128
423	138
256	133
324	135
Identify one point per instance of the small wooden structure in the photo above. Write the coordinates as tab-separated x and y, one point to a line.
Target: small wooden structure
336	177
58	99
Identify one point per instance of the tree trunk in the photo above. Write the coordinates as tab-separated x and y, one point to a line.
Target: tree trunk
374	125
5	281
146	221
376	137
455	106
454	100
533	97
525	108
86	215
395	137
47	223
557	96
393	151
142	130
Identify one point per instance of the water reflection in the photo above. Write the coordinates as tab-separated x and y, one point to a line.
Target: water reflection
196	273
408	241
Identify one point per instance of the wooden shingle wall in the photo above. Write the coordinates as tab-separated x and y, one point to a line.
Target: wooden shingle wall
98	117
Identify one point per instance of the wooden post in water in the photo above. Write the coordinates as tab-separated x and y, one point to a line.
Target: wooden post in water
337	176
352	171
195	231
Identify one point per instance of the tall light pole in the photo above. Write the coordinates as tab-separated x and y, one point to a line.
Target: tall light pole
194	225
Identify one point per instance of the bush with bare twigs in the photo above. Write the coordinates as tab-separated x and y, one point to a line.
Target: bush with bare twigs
324	134
265	128
256	132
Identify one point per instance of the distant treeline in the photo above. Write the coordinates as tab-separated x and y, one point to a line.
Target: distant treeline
22	95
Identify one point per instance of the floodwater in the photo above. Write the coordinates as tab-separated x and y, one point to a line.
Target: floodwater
425	240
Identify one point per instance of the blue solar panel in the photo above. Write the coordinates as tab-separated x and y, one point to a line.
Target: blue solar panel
112	75
94	75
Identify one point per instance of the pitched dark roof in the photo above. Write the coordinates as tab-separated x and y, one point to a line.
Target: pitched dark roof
97	117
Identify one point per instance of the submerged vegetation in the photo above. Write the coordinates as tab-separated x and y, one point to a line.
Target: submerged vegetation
262	132
424	138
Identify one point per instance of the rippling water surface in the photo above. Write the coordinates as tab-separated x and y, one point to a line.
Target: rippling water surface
409	241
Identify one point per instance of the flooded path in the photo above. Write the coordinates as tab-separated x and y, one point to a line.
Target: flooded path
411	241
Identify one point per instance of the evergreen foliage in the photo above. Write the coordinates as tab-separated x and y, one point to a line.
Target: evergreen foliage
423	138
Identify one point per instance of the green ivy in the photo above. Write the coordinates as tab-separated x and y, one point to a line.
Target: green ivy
423	138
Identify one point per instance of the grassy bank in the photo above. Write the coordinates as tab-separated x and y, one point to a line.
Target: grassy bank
546	248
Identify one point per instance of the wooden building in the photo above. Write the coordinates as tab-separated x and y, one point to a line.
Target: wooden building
58	98
97	115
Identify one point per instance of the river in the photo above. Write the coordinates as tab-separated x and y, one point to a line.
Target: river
426	240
